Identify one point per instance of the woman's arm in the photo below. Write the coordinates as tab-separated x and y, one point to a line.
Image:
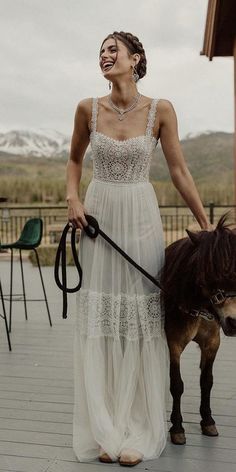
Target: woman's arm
79	144
179	172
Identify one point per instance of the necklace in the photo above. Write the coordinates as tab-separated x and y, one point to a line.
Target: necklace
121	111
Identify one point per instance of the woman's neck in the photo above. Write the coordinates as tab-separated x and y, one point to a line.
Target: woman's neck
123	94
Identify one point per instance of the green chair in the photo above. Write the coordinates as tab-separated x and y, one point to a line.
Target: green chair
29	239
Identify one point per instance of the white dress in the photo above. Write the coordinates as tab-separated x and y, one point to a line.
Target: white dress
120	352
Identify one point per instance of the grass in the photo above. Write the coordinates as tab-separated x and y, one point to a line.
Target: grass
47	255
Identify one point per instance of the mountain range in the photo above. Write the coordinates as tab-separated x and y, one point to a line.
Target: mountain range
41	143
208	154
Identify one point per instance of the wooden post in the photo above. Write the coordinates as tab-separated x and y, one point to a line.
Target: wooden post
211	206
235	122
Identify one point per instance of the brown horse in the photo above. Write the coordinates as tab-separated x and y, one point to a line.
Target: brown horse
199	279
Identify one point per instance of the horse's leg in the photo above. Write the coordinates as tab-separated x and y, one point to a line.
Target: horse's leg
180	330
209	347
176	388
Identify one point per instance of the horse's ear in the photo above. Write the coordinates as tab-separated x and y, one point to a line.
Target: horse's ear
194	237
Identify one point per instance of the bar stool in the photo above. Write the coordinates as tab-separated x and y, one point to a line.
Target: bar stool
29	239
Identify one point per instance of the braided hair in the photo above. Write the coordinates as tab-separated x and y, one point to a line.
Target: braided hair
134	46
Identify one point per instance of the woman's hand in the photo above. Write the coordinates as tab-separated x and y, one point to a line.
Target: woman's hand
208	227
76	213
196	227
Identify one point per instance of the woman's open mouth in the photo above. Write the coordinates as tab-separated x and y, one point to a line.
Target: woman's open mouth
107	66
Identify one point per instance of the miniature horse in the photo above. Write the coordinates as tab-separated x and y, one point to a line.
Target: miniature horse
199	281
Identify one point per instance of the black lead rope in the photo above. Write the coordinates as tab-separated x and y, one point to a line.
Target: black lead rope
92	230
61	255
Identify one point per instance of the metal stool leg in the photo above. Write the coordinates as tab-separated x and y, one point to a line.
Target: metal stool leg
5	317
11	282
23	284
44	291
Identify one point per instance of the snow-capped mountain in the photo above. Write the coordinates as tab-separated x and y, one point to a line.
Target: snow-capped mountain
40	143
196	134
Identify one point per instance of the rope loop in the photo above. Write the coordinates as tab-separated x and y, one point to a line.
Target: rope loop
92	229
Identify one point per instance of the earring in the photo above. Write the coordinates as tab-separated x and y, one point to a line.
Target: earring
109	85
135	75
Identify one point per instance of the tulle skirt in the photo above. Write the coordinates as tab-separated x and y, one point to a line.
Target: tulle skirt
121	361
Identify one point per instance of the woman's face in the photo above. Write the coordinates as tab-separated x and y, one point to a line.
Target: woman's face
115	62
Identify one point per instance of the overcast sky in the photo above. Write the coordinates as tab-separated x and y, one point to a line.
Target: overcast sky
49	60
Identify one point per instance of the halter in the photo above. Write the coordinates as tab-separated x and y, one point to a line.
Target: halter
220	296
217	298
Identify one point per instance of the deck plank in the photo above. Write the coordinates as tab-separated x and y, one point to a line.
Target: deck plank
36	397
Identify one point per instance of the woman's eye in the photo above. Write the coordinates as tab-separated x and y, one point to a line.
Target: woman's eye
111	50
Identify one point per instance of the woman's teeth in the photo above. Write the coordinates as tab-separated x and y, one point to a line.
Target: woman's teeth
108	66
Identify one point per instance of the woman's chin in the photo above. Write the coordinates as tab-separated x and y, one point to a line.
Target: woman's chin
107	75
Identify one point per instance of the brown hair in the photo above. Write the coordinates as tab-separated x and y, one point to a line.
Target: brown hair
134	46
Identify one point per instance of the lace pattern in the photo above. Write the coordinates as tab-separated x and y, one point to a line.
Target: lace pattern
151	117
133	317
94	114
122	160
129	162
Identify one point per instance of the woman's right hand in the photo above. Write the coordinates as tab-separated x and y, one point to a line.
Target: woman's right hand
76	213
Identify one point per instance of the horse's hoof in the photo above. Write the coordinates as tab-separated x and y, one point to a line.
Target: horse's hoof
178	438
209	430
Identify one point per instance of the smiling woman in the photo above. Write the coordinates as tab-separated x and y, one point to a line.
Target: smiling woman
120	349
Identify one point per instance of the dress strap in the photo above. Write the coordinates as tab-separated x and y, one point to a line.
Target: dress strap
151	117
94	114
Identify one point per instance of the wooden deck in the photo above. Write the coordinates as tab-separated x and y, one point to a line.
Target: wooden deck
36	396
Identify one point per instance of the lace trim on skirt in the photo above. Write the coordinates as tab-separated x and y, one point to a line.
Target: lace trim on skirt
130	316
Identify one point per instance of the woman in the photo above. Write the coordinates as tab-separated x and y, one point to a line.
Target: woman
120	350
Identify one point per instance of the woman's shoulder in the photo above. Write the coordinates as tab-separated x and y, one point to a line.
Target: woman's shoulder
165	109
165	105
84	109
85	104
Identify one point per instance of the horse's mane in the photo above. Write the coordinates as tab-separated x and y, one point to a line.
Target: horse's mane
204	259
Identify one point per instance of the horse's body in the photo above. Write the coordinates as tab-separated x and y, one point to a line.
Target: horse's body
197	268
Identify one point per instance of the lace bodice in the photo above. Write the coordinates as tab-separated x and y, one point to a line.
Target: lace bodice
122	160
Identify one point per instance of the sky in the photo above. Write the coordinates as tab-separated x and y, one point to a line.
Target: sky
49	61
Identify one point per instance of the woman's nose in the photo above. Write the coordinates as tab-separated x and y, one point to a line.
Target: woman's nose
104	55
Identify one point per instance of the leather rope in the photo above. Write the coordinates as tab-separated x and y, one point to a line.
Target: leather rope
92	230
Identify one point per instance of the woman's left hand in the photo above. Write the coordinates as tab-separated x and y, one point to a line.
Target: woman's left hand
208	227
196	227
